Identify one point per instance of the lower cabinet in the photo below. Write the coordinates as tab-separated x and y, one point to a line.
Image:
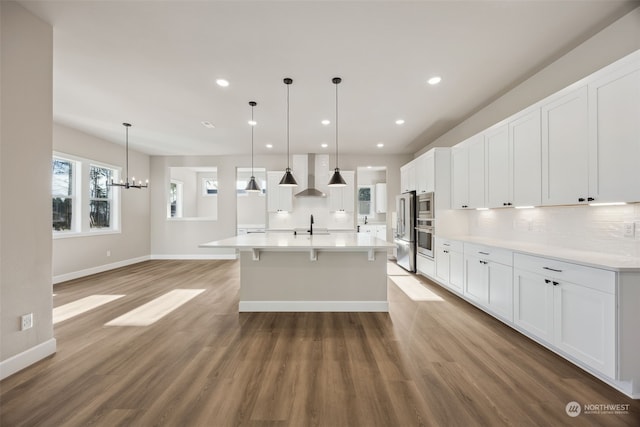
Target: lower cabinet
488	279
425	265
449	260
577	318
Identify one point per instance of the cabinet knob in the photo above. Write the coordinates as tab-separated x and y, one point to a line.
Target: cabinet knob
581	199
547	281
590	199
555	283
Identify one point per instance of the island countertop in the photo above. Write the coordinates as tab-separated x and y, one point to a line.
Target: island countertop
288	241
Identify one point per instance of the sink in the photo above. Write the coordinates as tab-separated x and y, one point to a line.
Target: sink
316	231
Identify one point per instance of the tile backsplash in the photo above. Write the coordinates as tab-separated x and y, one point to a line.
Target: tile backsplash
591	228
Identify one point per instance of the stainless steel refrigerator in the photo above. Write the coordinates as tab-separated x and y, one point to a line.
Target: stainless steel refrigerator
405	236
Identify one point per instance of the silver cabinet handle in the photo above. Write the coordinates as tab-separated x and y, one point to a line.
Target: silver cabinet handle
552	269
484	253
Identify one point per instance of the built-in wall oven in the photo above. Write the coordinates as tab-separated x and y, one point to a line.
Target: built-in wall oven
425	206
425	236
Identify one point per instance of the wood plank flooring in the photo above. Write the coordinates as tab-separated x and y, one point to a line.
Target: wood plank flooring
432	363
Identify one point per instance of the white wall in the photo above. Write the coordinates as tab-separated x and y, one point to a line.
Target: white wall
26	64
180	238
78	256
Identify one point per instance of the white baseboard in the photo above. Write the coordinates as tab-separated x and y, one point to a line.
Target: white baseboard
98	269
27	358
314	306
195	256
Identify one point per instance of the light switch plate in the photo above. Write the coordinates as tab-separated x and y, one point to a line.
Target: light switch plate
629	229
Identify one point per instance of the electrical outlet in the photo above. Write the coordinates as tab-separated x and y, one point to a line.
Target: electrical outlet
629	229
26	322
108	252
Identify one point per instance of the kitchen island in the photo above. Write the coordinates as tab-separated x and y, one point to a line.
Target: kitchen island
331	272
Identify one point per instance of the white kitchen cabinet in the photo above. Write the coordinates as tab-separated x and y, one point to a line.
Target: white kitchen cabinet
498	167
476	173
343	198
488	279
425	173
449	260
425	265
376	230
408	177
570	306
525	146
279	199
381	197
565	154
460	176
614	173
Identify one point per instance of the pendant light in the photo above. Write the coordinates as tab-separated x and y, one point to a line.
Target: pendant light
337	180
288	180
127	184
252	185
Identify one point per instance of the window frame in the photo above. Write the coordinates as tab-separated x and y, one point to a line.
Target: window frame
75	197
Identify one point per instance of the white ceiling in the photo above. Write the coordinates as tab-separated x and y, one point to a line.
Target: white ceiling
154	64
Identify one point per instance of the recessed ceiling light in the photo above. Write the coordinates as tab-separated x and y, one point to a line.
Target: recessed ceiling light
269	145
434	80
399	122
208	125
325	122
252	122
324	145
380	145
222	82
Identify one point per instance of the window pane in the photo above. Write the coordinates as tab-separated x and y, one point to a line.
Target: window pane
62	177
210	186
62	213
99	213
98	180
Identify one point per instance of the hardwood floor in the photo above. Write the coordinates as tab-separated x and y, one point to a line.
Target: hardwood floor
435	363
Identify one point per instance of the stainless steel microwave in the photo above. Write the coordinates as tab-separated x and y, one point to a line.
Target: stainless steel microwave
425	206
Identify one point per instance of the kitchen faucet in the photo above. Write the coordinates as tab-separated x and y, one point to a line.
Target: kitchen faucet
311	225
365	220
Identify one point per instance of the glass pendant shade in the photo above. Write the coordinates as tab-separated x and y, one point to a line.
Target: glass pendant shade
288	180
337	180
252	186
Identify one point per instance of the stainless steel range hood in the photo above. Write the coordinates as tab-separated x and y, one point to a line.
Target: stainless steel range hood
311	190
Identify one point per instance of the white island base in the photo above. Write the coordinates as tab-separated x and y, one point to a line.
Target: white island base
345	272
290	281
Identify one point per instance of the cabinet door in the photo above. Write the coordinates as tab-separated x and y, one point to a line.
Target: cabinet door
526	165
459	176
456	271
533	304
343	198
278	198
565	149
408	177
500	298
425	173
442	264
585	325
381	197
497	151
614	174
476	283
476	172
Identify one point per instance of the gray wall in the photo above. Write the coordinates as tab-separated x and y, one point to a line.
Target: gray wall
25	182
609	45
74	255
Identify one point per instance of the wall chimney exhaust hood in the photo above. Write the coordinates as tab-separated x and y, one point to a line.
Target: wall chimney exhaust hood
311	190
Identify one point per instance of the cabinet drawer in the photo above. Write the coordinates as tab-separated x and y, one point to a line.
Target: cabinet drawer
452	245
595	278
488	253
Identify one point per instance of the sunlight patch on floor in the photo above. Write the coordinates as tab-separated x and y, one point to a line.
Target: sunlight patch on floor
414	289
72	309
156	309
394	269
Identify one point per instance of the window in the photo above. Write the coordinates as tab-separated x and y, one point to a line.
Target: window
63	194
365	200
209	187
100	197
83	203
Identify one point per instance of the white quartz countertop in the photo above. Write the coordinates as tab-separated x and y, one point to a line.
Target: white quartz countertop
287	241
587	258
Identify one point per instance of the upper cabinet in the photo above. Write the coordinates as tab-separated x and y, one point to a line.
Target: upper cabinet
614	173
343	198
498	167
460	176
525	159
279	199
425	173
565	153
381	197
408	177
468	174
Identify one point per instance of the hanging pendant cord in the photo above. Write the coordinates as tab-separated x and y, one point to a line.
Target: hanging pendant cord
252	126
336	125
288	126
127	155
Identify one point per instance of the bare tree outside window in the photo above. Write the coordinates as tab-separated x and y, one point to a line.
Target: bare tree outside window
62	192
99	197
